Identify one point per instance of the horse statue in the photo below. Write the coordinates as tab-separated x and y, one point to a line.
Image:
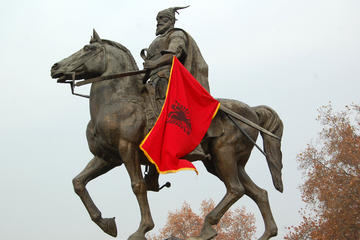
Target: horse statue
118	124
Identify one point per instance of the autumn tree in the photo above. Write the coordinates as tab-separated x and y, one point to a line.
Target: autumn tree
331	168
184	223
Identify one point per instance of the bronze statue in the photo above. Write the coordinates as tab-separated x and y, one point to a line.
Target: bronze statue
119	123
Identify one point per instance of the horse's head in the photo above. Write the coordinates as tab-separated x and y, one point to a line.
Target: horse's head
86	63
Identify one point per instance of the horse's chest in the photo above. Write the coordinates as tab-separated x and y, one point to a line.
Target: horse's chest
117	121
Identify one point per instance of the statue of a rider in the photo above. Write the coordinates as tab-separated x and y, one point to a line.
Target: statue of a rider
171	41
158	57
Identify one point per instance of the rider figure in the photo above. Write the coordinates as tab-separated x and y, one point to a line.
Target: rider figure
158	57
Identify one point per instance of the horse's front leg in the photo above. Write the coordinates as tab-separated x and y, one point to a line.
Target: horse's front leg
130	155
95	168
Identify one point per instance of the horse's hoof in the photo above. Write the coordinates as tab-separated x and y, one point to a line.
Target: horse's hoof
271	232
267	236
137	236
108	225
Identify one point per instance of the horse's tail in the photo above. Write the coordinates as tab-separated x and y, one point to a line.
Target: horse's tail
270	120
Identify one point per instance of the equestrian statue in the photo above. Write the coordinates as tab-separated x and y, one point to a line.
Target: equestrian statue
124	105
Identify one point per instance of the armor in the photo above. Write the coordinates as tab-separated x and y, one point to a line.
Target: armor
173	42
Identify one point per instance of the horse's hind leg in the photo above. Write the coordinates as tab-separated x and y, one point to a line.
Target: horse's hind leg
130	155
94	168
260	196
227	169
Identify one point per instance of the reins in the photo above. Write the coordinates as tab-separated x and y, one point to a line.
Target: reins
110	77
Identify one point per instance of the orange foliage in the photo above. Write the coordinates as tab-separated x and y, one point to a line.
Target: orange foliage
332	179
184	223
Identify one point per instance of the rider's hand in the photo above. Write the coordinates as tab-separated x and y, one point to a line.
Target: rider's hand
149	64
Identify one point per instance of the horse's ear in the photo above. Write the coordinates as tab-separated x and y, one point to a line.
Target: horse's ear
95	37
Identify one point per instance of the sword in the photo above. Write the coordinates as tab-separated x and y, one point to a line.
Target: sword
247	121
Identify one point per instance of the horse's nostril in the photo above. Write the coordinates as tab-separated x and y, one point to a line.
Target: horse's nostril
55	66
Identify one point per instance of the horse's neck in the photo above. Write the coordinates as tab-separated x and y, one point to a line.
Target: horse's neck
127	87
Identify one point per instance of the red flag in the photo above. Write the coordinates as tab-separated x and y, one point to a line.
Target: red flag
184	119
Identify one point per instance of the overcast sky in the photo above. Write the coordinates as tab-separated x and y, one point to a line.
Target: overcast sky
291	55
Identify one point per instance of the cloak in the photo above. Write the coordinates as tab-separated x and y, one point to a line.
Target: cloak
194	61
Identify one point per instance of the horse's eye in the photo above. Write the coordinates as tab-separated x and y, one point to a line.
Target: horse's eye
88	47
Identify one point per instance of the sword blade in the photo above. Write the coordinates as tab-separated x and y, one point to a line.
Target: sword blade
247	121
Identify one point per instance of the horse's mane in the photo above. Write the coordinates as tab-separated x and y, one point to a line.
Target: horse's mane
122	48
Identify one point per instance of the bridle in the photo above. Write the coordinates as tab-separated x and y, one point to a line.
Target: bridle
73	73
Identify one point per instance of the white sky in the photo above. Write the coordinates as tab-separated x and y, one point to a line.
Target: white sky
291	55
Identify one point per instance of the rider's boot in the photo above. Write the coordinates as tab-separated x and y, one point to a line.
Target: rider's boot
198	154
